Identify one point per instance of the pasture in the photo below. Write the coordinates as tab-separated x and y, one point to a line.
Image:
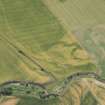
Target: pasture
85	19
42	30
31	27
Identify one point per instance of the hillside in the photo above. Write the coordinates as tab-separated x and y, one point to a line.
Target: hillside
38	43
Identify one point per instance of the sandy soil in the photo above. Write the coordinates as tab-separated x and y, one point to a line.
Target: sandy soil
12	101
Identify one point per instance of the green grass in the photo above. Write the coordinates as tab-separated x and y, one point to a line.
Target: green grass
30	24
94	37
76	13
88	99
77	16
8	64
38	31
33	28
31	20
33	101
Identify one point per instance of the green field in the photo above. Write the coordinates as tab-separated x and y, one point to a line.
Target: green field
96	40
45	30
85	19
75	14
88	98
33	28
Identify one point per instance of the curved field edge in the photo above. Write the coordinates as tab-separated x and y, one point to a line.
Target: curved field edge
33	28
30	25
81	18
80	92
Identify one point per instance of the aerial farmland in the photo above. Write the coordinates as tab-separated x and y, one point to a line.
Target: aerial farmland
52	52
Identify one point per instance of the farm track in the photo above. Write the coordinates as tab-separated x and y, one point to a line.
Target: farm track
59	89
33	60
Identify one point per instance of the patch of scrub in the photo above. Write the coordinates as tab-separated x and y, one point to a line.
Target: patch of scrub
33	101
92	39
88	99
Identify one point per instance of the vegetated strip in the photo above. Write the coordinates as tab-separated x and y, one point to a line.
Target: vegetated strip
61	88
76	76
21	82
